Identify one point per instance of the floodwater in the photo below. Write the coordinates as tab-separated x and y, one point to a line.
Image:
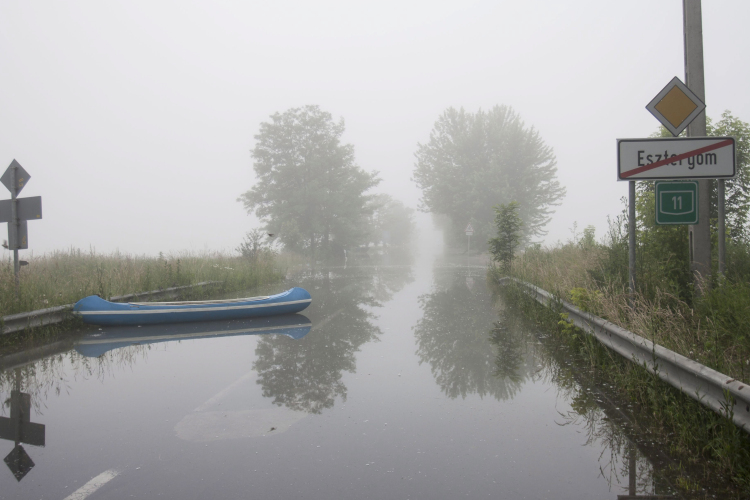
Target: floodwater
404	379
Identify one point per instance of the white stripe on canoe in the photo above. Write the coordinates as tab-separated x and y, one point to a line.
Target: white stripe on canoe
200	302
189	335
192	309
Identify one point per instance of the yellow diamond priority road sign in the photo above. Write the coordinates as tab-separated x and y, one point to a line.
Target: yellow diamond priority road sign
676	106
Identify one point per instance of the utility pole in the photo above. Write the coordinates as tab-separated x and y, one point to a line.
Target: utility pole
699	234
14	223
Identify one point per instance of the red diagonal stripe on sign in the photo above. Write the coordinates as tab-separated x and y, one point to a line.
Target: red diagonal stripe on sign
673	159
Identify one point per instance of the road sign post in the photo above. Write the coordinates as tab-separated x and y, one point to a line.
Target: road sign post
631	242
469	231
679	106
17	211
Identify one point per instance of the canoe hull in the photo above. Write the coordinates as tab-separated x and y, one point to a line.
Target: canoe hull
97	311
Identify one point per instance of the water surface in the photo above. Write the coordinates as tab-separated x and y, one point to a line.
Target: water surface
412	382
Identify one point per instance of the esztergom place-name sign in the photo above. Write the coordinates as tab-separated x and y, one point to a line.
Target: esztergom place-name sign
676	158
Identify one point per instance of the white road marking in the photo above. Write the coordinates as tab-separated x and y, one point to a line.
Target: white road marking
222	393
325	320
93	485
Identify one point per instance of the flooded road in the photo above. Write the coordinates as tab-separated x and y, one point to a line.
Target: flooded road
402	380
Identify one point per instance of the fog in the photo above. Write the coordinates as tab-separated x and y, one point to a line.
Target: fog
136	119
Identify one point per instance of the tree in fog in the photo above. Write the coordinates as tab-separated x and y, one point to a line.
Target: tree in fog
392	222
509	224
475	161
309	190
737	190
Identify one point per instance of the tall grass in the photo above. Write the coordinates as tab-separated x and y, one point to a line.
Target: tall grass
63	277
713	329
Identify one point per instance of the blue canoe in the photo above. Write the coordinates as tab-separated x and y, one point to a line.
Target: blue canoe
95	344
96	310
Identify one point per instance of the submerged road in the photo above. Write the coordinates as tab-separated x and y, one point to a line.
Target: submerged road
412	383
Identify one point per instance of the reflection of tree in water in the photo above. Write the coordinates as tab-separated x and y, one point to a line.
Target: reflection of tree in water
305	374
599	419
389	280
605	427
452	337
511	357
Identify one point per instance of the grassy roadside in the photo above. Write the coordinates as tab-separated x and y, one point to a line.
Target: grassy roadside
713	329
708	330
64	277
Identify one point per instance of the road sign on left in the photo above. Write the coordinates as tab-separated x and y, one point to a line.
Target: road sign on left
27	209
22	177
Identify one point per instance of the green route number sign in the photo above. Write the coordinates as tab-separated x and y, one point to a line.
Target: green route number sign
677	202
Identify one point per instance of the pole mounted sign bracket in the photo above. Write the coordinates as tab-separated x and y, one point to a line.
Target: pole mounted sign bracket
676	106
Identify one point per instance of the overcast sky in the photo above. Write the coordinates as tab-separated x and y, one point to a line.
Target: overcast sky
136	119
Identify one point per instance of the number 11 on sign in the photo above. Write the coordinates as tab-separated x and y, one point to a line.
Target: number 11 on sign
676	202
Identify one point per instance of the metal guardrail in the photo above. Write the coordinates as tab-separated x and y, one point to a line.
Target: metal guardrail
724	395
41	317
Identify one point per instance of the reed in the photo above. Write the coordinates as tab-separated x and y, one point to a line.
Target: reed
713	330
64	277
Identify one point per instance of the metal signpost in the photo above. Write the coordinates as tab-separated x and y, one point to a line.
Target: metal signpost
679	106
469	231
17	211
